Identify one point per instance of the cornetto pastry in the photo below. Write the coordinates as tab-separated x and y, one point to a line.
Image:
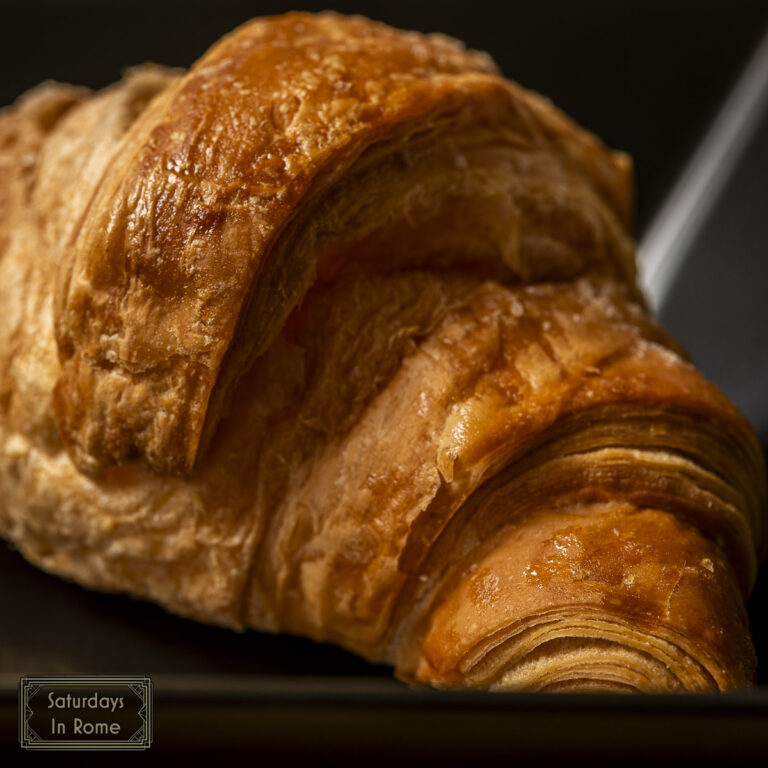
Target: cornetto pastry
338	334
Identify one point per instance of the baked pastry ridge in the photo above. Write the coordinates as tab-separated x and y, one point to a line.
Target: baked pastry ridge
338	334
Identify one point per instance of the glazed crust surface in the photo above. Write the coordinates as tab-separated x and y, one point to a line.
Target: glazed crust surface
175	282
338	334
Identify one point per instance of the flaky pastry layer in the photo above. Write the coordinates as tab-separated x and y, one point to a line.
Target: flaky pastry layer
337	334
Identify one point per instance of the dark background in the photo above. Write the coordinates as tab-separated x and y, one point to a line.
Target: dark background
647	77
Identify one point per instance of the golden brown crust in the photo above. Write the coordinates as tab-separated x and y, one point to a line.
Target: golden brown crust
345	342
616	596
176	279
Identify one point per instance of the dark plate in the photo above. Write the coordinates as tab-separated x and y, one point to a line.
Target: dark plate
647	77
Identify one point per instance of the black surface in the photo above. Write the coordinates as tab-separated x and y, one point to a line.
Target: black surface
647	77
334	723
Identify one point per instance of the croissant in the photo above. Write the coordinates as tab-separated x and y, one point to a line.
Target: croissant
338	334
